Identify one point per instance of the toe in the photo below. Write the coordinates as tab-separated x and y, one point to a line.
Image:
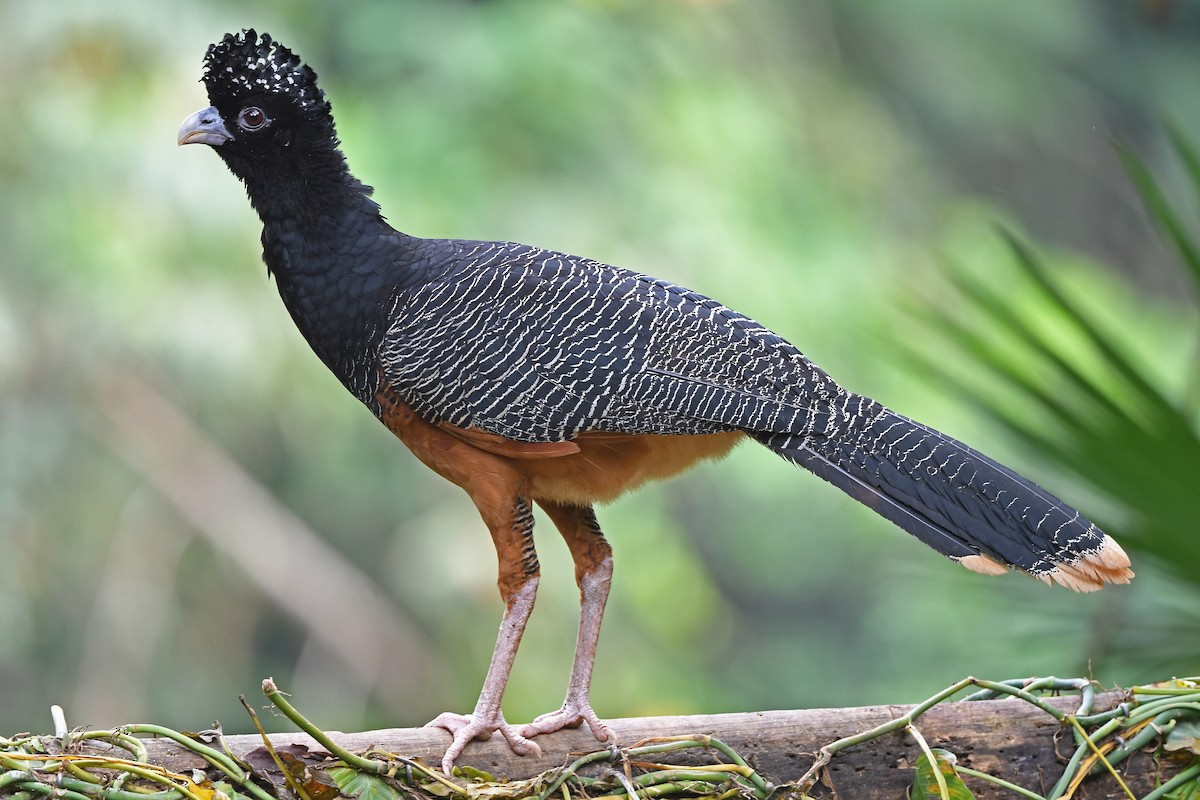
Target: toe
455	723
465	727
569	716
519	744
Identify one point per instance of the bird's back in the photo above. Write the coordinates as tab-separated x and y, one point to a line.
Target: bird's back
537	345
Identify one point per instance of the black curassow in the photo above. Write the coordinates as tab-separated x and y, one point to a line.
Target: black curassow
530	376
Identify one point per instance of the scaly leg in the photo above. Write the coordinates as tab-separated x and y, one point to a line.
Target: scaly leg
512	533
593	572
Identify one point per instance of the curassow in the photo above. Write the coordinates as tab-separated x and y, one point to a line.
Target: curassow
529	376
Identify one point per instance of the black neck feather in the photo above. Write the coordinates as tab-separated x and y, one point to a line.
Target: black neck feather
335	260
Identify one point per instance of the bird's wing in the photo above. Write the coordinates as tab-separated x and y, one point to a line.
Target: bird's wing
538	346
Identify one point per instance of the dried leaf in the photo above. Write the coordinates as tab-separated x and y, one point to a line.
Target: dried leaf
205	791
316	783
259	760
436	789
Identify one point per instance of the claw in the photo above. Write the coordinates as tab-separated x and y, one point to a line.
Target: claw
571	715
465	728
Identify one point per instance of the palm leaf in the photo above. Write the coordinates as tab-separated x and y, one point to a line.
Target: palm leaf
1159	207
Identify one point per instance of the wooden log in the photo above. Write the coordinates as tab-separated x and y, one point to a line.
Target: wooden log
1009	739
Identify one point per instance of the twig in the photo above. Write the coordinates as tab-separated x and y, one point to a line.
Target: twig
288	778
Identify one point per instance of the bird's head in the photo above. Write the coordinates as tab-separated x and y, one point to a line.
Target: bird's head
267	120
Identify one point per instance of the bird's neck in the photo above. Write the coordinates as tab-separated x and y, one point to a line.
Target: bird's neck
336	262
300	184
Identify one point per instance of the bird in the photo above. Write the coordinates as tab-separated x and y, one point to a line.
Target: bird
528	376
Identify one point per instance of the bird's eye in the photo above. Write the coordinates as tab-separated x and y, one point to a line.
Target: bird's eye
252	118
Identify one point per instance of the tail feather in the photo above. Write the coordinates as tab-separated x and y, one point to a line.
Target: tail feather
955	499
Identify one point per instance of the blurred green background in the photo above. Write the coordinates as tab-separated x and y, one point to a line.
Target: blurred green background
189	502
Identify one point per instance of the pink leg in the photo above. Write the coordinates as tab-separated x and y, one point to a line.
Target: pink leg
518	586
593	572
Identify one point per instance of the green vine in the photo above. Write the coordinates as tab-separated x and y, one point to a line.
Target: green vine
1165	715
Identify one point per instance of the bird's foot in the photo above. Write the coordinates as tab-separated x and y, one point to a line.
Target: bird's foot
571	715
467	727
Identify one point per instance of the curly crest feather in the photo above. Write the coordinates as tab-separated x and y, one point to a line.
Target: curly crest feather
244	64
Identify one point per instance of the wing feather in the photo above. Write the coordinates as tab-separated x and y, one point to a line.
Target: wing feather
538	346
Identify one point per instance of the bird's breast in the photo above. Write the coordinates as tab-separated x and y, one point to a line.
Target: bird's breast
608	465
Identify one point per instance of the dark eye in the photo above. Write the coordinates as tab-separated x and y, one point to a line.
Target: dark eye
252	118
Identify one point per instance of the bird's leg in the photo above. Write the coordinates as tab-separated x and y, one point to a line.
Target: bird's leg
513	536
593	572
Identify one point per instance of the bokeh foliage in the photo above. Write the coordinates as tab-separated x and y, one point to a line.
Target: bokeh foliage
807	163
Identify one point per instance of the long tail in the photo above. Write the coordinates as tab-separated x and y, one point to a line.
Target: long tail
955	499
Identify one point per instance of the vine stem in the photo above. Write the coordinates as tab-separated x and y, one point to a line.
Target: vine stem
943	790
1079	729
826	753
277	699
288	777
370	765
1012	787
